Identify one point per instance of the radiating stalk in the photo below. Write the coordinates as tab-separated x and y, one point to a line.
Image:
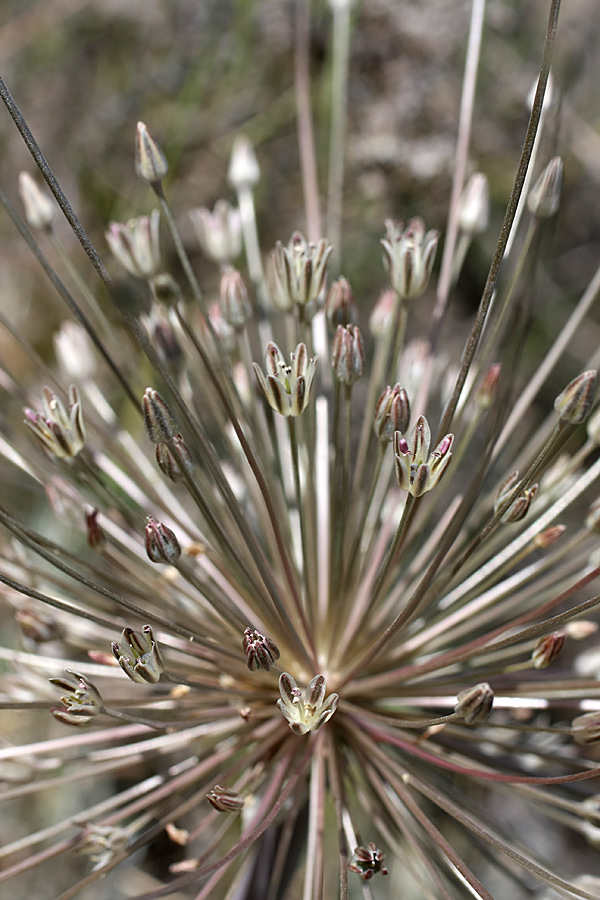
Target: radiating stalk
337	134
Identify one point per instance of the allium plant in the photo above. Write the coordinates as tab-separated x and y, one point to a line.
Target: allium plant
294	630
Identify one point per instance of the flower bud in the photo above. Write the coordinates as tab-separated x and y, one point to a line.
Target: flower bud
171	462
95	533
408	255
382	316
574	403
136	244
219	232
39	208
348	354
261	652
144	664
158	419
74	352
162	545
475	704
243	167
474	205
549	536
585	729
225	799
547	649
340	305
150	162
489	387
233	298
544	198
36	626
165	289
392	413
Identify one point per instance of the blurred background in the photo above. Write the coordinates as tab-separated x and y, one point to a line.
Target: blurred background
198	74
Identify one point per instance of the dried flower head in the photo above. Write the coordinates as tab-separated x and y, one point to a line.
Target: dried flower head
449	734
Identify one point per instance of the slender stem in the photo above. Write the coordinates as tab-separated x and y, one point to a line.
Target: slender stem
54	186
306	139
460	165
339	103
58	285
488	291
384	571
306	553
